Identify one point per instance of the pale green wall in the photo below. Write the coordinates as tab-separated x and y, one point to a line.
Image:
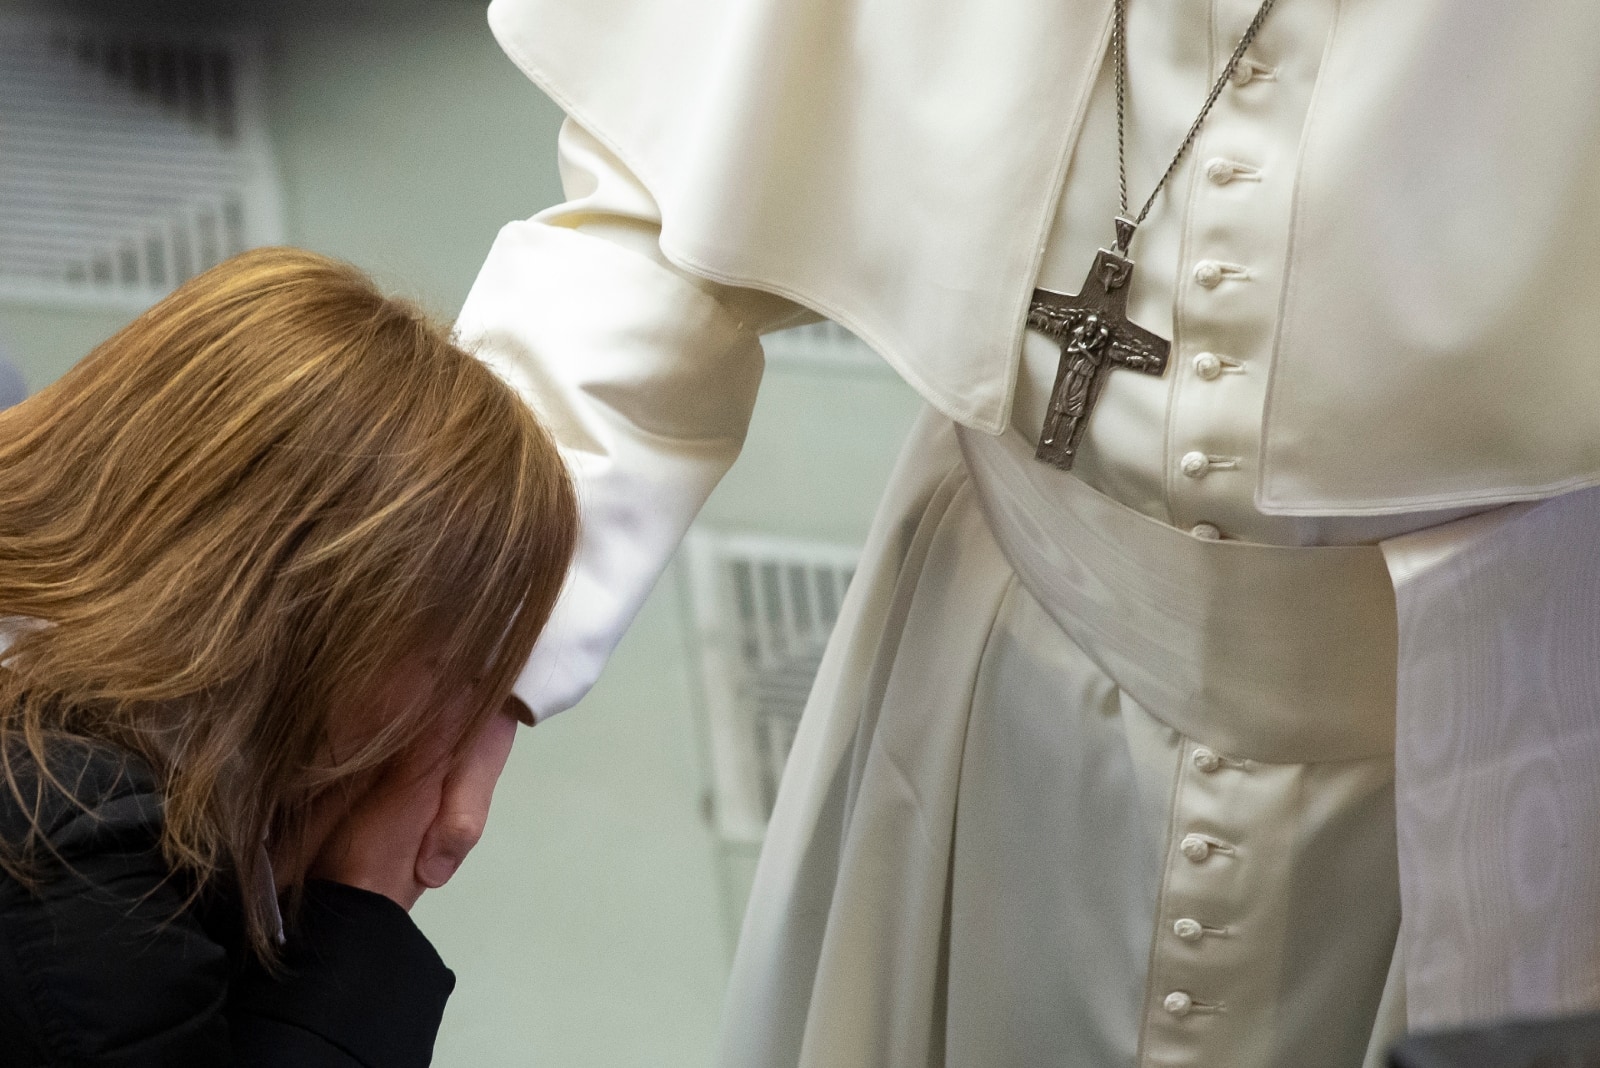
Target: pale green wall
588	927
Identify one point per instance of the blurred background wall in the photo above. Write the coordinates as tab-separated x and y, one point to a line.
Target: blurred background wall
594	924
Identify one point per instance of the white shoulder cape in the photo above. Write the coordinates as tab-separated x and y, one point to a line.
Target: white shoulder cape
895	165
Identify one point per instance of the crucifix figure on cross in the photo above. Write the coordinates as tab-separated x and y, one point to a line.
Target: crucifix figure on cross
1095	336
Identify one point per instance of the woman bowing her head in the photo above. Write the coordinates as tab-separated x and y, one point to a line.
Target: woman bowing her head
271	558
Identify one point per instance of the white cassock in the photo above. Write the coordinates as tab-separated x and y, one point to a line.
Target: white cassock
1112	768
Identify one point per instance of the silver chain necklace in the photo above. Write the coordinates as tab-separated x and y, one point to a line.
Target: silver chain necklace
1092	326
1119	52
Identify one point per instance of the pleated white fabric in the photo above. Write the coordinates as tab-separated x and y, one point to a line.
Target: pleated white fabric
1005	839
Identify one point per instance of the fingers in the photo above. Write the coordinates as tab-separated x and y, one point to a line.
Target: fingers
411	828
375	844
464	805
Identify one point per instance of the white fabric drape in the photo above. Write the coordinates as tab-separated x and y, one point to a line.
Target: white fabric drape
1498	754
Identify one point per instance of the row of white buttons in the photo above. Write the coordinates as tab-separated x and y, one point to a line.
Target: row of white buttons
1196	848
1207	365
1210	274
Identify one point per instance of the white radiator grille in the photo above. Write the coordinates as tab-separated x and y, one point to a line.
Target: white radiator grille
128	162
763	609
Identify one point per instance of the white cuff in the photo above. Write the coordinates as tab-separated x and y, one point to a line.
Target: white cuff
647	383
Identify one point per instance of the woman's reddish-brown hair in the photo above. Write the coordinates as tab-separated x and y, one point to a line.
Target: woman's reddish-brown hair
228	522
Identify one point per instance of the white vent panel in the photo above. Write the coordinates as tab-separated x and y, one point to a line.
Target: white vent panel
129	162
763	609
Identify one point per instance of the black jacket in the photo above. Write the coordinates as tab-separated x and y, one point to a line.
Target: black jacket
103	965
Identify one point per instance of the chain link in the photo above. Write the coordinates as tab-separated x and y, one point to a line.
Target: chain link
1119	50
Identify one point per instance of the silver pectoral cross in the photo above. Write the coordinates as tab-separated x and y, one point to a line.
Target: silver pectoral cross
1095	336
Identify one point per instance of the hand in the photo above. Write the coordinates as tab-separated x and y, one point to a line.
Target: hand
414	826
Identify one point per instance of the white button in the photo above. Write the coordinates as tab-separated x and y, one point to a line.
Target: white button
1206	760
1220	171
1194	847
1206	531
1248	71
1178	1003
1188	930
1194	464
1208	365
1208	273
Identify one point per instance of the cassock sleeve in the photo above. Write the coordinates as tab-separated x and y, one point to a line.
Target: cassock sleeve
645	374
